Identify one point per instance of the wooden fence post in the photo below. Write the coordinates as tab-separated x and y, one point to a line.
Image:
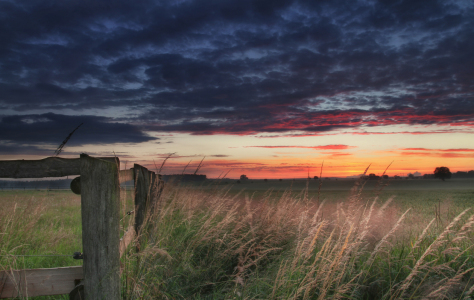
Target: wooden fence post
100	202
142	184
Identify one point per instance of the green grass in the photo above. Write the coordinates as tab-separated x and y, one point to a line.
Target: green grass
39	223
270	240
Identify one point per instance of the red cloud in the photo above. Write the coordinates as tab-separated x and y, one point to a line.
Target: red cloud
324	147
449	153
365	133
455	155
438	154
285	120
335	154
410	132
439	150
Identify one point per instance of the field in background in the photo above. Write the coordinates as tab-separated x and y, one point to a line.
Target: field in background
270	240
421	195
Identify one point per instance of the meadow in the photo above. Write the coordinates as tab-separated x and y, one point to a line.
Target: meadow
334	239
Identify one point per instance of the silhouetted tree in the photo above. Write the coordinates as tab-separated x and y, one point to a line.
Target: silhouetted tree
372	176
315	177
442	173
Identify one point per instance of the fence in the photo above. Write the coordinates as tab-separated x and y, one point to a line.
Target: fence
100	178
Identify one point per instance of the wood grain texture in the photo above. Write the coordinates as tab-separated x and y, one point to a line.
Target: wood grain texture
142	188
47	167
38	282
100	201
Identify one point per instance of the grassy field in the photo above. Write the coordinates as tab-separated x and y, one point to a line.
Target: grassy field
346	239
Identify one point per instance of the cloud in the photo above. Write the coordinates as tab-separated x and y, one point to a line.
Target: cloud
446	153
456	155
324	147
240	67
52	129
6	149
439	150
412	132
338	154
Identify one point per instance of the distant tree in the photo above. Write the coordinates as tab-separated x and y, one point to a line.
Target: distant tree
243	177
372	176
280	179
265	180
442	173
315	177
411	176
385	176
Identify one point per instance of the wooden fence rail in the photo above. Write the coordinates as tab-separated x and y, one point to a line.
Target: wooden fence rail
39	282
100	180
48	167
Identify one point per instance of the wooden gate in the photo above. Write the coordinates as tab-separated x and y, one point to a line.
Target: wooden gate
100	180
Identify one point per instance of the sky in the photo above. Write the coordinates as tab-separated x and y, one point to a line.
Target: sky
270	89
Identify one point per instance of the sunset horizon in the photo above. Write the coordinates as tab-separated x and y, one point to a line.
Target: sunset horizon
269	89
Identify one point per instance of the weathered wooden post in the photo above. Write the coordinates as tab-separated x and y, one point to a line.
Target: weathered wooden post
100	202
142	184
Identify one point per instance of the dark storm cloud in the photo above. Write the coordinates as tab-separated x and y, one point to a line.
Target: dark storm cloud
21	149
236	67
52	129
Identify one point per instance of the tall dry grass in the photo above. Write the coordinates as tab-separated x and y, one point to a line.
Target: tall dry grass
209	245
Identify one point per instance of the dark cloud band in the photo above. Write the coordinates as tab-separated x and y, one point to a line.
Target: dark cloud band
52	129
